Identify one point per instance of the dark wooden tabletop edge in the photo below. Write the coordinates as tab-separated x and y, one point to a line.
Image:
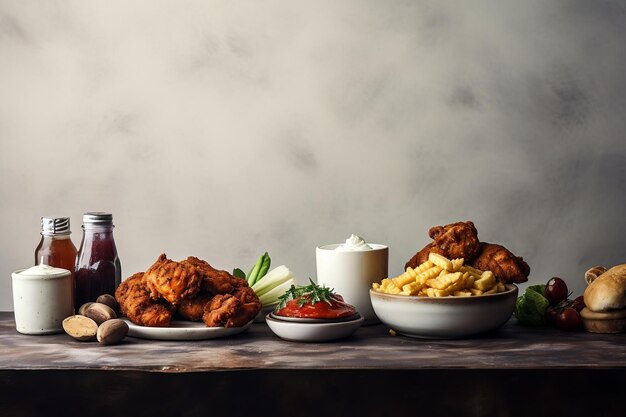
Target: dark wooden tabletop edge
182	370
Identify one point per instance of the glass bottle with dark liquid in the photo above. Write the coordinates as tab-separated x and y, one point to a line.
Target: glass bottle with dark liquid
98	268
55	247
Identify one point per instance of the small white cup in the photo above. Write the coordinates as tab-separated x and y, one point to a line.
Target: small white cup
42	301
351	274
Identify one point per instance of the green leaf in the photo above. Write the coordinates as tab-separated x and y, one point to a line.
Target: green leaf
238	273
530	308
540	288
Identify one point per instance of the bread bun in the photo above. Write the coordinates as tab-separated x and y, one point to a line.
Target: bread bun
611	322
593	273
608	291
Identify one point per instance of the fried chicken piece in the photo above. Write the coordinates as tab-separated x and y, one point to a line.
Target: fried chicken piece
174	281
123	290
136	303
505	266
247	295
221	308
422	256
234	303
193	308
244	315
457	240
238	282
214	280
251	306
229	310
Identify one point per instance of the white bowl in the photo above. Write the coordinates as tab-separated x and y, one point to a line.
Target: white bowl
444	317
312	332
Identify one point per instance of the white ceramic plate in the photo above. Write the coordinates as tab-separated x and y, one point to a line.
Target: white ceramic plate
312	332
260	318
183	330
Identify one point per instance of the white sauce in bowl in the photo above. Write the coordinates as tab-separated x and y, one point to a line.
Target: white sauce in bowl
354	243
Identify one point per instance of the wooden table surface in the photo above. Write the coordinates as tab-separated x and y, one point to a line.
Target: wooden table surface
371	347
512	364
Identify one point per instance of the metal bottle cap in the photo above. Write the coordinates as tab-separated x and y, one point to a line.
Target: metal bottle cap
55	226
98	218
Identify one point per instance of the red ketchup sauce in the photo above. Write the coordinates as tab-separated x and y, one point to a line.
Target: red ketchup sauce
320	310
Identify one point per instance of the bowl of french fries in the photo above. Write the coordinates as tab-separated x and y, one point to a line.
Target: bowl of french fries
443	298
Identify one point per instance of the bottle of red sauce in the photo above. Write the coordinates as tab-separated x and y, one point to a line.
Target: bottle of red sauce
55	247
98	268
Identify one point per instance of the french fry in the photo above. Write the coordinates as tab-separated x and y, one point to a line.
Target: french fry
469	281
461	283
493	290
441	261
444	281
406	278
476	276
409	275
457	264
441	277
428	274
424	266
392	289
433	292
499	287
486	281
411	289
472	270
389	287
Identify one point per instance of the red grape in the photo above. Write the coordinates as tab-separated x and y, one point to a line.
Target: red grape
578	303
556	291
551	314
568	319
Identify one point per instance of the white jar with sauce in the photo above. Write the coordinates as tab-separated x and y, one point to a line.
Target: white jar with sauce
351	268
42	298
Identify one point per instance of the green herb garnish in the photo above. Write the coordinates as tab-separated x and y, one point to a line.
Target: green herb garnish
311	293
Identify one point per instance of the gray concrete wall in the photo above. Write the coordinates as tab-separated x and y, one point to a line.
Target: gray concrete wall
225	129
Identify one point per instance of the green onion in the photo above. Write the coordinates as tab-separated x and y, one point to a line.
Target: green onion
275	277
273	285
255	271
271	297
265	266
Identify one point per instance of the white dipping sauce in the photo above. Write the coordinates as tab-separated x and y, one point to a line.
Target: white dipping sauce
42	298
354	243
42	269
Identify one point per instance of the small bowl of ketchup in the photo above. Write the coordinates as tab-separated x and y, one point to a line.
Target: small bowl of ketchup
312	313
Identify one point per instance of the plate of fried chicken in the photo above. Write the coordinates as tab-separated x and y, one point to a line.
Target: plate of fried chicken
186	300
